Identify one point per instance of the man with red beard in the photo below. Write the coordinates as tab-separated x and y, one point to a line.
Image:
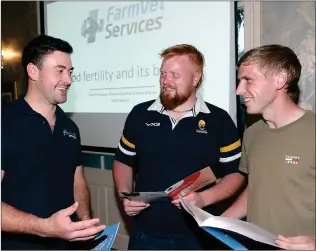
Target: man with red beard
168	139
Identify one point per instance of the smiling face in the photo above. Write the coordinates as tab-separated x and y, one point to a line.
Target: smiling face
53	79
258	91
178	80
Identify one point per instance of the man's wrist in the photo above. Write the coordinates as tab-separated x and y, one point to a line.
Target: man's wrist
42	227
205	197
121	193
85	217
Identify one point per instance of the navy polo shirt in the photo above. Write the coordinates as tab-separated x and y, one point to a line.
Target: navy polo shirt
39	167
164	151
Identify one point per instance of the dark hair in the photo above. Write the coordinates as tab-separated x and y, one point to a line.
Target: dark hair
35	51
195	56
273	59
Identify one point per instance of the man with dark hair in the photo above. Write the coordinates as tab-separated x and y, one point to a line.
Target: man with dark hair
45	198
168	139
278	153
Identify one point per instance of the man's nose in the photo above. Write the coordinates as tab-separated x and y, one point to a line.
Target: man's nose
166	79
240	88
67	79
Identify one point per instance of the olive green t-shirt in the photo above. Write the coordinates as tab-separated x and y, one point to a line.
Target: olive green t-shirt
280	164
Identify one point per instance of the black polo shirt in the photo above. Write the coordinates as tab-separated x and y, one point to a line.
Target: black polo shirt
164	151
39	167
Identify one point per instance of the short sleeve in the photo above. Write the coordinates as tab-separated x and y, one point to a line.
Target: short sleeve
243	161
5	158
6	139
126	150
79	150
230	146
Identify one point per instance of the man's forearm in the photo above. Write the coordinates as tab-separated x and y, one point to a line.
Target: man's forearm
239	208
224	189
123	176
82	196
16	221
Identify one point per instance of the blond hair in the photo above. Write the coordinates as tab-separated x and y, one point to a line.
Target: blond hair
273	59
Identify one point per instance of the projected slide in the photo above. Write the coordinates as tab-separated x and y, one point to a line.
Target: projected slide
117	44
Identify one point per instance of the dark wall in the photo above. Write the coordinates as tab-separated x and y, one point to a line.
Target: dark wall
18	26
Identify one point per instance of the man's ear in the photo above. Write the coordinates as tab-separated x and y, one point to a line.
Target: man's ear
196	78
32	71
281	80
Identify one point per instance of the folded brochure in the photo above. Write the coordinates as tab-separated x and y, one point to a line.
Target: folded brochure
109	233
189	184
211	223
146	196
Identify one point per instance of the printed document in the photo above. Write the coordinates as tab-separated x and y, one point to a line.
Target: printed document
185	186
208	222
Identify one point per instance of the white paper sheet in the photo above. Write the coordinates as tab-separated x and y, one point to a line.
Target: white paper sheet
247	229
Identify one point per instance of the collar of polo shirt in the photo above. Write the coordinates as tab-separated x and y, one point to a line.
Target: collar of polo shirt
199	106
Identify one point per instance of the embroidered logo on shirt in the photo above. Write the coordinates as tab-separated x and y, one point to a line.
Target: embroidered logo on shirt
152	124
70	134
294	160
201	126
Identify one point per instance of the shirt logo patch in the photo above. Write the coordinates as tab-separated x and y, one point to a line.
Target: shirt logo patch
152	124
201	126
294	160
70	134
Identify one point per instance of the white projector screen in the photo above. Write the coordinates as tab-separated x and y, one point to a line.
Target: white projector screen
116	56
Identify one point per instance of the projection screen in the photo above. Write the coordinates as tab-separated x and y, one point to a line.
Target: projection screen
116	56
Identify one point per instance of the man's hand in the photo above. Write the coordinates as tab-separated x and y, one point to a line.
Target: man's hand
59	225
193	198
296	243
133	208
85	217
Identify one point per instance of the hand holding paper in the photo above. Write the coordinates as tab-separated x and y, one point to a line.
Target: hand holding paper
134	207
146	197
297	242
191	183
211	223
182	188
193	198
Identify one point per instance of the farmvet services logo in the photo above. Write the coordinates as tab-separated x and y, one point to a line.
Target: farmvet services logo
91	26
70	134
